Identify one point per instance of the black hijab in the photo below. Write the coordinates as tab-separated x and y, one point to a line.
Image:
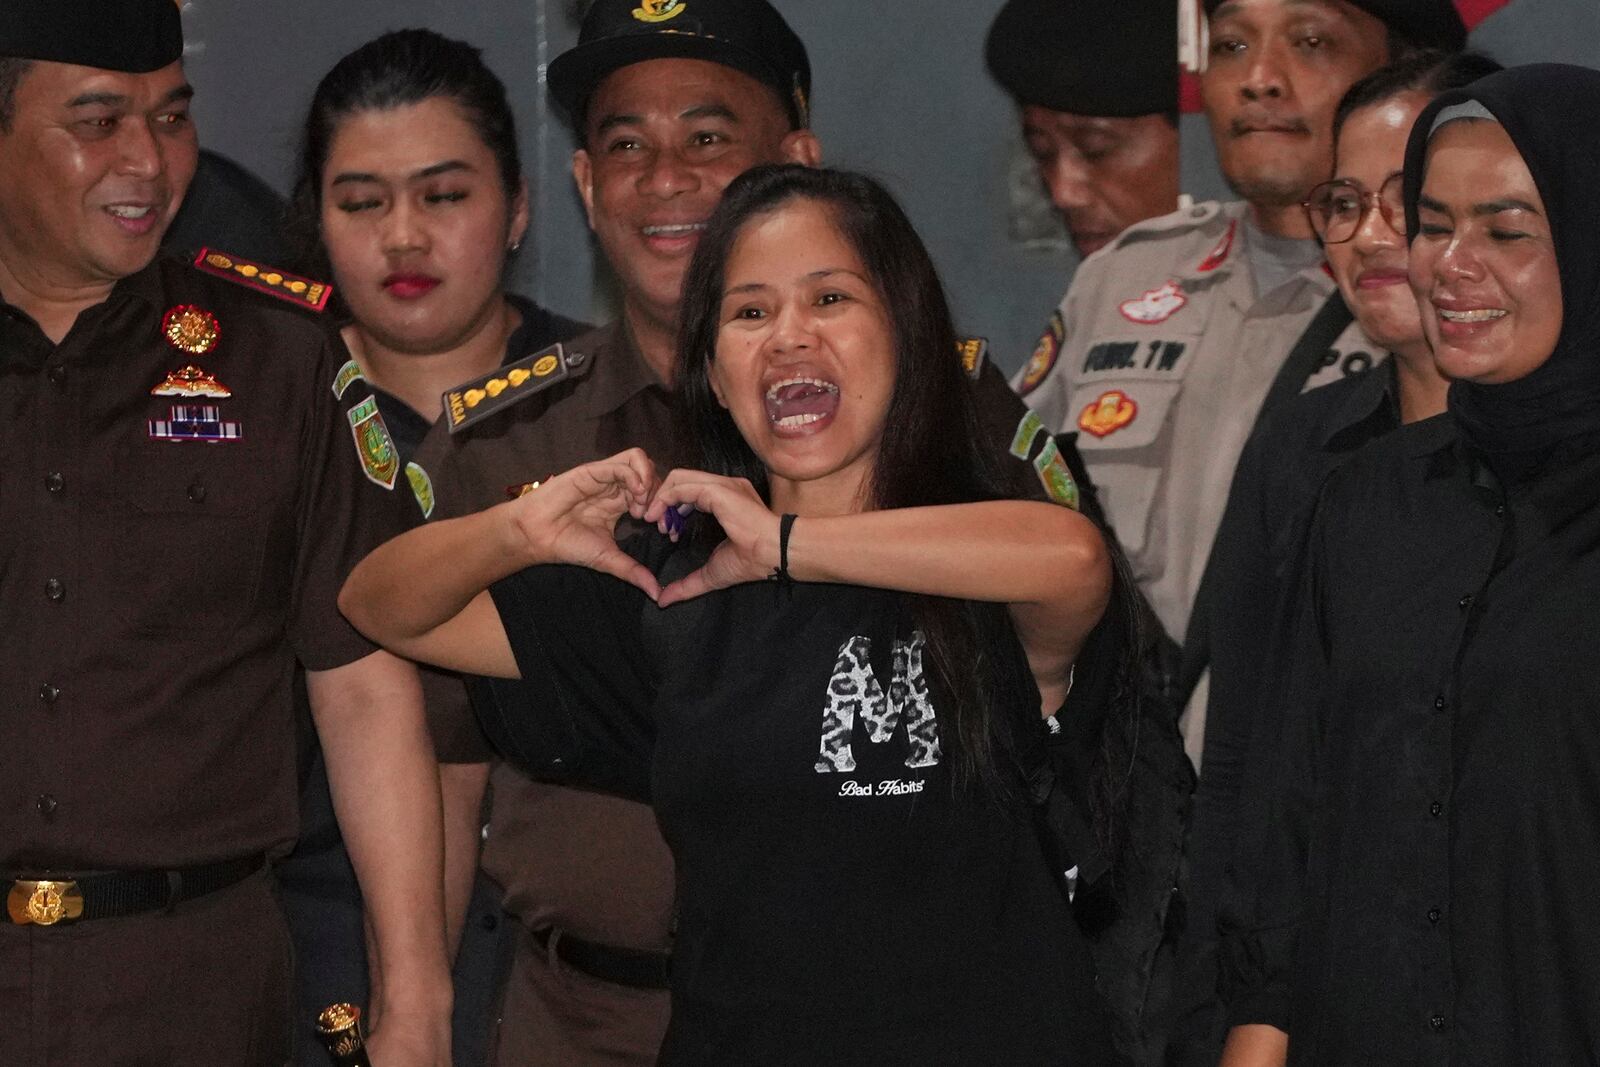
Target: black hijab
1545	109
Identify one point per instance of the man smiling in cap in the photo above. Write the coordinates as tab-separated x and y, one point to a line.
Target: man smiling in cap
183	499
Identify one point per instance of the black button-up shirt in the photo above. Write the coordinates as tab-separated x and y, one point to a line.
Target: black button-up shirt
1430	886
1252	581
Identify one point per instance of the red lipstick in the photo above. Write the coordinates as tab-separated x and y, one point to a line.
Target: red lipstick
409	286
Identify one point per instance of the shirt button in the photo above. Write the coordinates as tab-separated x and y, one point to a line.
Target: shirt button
1434	915
56	372
197	493
1439	702
55	590
54	482
1499	510
1465	602
1436	1022
48	693
46	805
1435	808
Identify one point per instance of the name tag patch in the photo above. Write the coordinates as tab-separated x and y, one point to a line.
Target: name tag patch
1134	355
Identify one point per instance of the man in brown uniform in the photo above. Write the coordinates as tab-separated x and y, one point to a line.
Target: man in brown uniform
185	486
671	102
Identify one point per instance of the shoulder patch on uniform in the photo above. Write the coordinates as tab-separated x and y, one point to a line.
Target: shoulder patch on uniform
374	444
421	488
974	350
1045	353
474	401
303	292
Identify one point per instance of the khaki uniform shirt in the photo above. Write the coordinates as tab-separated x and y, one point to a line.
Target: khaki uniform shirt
1161	355
164	562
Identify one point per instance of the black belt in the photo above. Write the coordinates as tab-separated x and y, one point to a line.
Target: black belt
62	898
631	967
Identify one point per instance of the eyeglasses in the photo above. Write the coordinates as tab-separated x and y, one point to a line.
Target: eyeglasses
1337	209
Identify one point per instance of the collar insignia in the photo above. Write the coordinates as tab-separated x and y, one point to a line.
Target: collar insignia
1219	255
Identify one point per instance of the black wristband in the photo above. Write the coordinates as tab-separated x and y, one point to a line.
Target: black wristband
781	572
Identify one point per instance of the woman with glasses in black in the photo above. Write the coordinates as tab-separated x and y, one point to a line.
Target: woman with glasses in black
1359	218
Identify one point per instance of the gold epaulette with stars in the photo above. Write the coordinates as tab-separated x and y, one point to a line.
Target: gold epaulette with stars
264	279
474	401
974	350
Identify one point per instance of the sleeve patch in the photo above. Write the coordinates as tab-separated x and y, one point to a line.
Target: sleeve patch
264	279
421	488
374	445
1045	354
1028	431
1056	477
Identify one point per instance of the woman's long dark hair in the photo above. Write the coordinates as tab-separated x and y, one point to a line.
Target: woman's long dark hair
933	449
398	69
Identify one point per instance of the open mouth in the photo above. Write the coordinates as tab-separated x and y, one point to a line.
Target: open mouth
673	236
134	218
1476	315
799	403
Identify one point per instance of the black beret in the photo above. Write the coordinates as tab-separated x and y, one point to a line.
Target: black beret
136	36
747	35
1423	23
1115	58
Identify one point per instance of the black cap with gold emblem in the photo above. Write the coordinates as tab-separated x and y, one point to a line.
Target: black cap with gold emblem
747	35
134	36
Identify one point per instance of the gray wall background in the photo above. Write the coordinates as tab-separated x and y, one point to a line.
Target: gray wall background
900	92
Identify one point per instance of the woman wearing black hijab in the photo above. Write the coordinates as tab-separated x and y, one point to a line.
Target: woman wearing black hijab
1433	874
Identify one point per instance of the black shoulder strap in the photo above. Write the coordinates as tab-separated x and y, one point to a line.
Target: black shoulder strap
1303	361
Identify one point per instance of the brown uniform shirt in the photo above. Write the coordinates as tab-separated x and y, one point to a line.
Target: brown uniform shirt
164	561
590	863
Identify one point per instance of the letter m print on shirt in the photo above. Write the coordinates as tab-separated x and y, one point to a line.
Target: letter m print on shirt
854	692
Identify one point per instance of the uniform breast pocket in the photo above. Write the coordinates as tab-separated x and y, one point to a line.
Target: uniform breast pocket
1123	434
187	539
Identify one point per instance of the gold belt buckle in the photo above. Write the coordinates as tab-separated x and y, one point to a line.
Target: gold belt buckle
43	902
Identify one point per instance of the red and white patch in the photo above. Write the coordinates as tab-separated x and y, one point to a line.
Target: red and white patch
1158	305
1224	248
